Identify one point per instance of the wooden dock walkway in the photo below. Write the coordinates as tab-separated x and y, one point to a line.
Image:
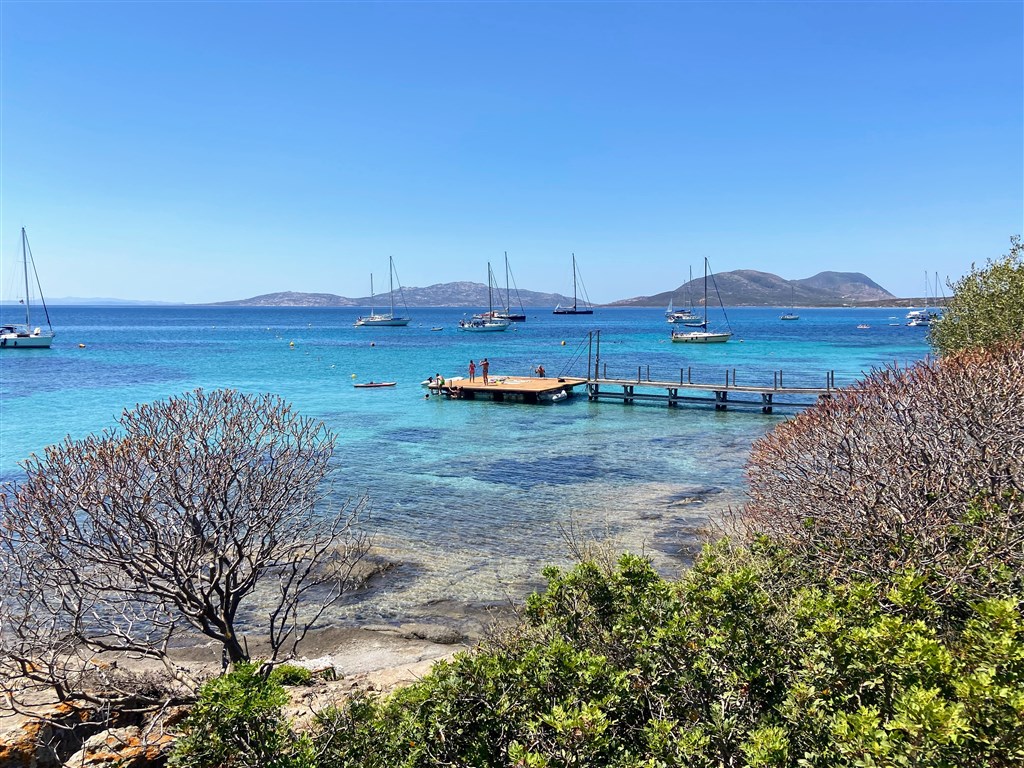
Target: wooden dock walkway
722	395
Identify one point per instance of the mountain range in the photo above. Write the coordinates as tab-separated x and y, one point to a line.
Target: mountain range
739	288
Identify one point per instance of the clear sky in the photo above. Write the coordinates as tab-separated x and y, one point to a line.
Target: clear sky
201	151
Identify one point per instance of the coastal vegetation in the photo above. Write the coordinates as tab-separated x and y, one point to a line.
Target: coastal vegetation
987	305
195	510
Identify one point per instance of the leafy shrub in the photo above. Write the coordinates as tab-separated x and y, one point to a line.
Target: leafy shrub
920	467
289	674
238	722
741	663
987	305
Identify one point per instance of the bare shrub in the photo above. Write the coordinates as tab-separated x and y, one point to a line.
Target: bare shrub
195	510
923	466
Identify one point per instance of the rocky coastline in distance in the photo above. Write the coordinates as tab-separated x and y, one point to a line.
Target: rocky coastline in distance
739	288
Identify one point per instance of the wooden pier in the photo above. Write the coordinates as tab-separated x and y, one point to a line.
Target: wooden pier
721	395
529	389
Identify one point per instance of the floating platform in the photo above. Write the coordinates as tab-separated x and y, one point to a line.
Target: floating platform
518	389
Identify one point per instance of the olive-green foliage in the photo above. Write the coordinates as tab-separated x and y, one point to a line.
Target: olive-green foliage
746	661
237	723
289	674
987	305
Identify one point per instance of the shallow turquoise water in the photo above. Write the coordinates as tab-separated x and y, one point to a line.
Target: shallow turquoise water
469	495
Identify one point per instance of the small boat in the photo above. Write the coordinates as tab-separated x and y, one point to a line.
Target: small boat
862	326
18	336
791	315
685	316
484	324
389	319
553	397
507	313
431	383
437	328
704	336
488	321
375	384
925	317
575	309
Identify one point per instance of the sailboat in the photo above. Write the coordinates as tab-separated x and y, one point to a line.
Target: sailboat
682	315
791	315
516	317
506	313
388	319
575	309
486	321
16	335
925	317
704	336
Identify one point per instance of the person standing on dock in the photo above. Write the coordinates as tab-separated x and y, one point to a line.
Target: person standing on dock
472	371
484	366
540	371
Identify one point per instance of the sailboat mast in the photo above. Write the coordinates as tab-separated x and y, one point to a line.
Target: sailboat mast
508	293
490	283
391	283
24	264
574	281
705	293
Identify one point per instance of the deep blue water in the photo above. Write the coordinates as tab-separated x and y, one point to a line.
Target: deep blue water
470	495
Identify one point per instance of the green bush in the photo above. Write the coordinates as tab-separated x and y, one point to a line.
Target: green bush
289	674
238	723
987	305
743	662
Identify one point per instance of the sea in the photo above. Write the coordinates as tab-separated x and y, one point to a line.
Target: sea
470	499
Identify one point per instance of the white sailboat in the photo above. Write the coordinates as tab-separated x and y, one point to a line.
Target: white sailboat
791	315
924	317
24	336
487	321
388	319
704	336
575	309
682	315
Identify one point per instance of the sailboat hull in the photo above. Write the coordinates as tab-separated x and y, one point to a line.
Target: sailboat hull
382	320
26	340
701	337
571	311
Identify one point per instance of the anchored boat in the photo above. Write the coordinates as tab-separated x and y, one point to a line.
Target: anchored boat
575	309
24	336
382	319
704	336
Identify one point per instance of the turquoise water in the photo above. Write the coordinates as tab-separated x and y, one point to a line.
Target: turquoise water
468	495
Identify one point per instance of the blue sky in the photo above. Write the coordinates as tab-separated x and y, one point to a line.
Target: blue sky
210	151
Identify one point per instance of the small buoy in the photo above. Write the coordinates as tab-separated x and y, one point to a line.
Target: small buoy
81	346
563	343
373	344
353	375
291	343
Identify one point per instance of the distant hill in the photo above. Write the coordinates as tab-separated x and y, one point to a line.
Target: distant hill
749	288
740	288
460	294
